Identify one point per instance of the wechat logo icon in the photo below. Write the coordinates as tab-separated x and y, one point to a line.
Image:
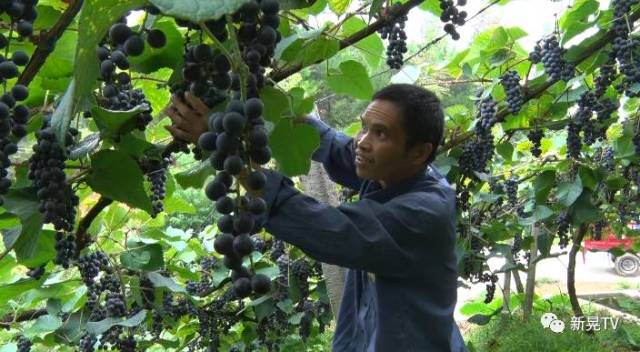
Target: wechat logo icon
551	321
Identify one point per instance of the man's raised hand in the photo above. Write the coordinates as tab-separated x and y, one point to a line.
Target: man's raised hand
189	117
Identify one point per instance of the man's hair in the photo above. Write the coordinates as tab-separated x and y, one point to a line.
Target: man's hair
421	111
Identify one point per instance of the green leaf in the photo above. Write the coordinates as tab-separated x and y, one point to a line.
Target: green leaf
480	319
143	257
30	245
43	324
195	176
98	327
301	105
198	10
583	210
568	192
371	47
163	281
352	79
318	50
170	55
376	5
293	161
135	146
543	185
11	291
178	205
63	113
575	20
114	123
275	103
117	176
339	6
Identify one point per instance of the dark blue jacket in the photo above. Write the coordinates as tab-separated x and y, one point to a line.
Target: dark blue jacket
398	243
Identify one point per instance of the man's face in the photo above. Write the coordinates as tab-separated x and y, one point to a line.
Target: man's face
380	145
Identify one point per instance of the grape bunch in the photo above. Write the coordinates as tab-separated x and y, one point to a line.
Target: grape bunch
24	344
87	341
549	52
598	226
563	229
301	270
515	98
606	76
452	17
511	187
516	247
46	171
66	249
490	281
13	116
463	200
307	309
535	136
157	178
277	249
114	52
395	34
90	266
205	72
237	139
608	160
477	153
625	47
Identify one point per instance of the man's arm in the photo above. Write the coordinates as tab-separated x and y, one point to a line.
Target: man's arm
336	153
384	239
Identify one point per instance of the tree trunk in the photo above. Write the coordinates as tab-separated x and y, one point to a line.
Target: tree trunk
506	290
571	271
516	277
531	274
318	185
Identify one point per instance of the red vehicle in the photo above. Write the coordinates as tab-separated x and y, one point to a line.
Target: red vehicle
627	264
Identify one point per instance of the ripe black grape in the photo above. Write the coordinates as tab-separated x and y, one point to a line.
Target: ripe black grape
24	344
156	38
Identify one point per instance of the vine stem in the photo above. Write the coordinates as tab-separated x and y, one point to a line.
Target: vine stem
43	50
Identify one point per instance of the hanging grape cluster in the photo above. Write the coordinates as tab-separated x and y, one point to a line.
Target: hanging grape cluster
477	154
232	138
157	177
563	223
46	170
114	52
549	52
625	48
452	16
13	116
535	136
395	34
515	98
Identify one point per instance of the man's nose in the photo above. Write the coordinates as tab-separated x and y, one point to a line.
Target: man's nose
362	141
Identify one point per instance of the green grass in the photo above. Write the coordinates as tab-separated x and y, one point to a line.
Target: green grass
507	333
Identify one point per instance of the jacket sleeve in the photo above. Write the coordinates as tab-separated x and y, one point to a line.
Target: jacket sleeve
336	153
385	239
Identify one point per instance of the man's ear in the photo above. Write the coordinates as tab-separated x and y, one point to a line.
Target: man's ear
421	153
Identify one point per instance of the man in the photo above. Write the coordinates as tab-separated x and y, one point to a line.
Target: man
398	240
